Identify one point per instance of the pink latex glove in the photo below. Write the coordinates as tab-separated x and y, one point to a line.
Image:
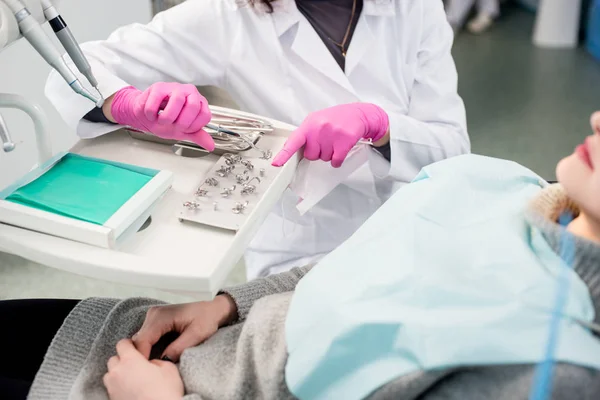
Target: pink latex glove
330	134
183	112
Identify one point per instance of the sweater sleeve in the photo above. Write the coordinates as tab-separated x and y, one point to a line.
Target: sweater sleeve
245	295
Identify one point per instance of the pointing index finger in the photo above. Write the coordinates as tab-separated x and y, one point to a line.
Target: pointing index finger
294	143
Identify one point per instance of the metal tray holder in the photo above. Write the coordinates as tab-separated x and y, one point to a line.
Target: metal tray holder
229	192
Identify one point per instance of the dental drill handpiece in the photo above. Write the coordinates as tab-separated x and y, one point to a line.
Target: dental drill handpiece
66	38
33	32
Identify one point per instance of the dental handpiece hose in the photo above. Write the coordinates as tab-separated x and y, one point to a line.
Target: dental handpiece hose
66	38
35	35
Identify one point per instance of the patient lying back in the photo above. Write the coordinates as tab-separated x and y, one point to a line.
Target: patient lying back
247	343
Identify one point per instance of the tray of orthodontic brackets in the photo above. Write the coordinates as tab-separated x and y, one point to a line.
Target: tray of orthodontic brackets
229	192
232	133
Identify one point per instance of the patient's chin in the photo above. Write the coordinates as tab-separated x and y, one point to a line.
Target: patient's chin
562	170
573	178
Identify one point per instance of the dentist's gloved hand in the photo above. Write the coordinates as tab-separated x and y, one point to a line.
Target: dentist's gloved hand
330	134
183	112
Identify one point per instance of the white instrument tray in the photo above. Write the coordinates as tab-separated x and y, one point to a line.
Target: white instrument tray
168	254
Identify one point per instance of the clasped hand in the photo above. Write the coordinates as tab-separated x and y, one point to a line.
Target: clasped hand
132	376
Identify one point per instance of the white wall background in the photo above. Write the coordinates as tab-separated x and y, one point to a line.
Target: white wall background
24	72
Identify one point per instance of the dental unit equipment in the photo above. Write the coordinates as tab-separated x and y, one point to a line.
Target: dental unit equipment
31	30
18	19
43	200
7	143
66	38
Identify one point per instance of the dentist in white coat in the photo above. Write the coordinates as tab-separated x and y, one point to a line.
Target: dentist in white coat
341	70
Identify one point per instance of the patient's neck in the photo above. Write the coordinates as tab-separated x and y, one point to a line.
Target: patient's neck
585	227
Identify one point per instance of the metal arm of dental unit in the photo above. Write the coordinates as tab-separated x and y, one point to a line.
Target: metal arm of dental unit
22	18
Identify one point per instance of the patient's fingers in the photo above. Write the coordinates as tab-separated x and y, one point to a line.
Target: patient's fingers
112	363
155	326
160	363
125	348
144	340
189	338
106	381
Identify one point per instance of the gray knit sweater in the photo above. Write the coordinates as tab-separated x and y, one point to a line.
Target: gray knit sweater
247	360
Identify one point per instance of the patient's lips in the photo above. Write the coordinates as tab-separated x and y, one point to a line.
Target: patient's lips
583	151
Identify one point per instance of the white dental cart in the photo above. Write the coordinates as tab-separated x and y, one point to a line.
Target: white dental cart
168	254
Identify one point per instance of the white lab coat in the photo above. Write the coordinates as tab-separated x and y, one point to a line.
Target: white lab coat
277	66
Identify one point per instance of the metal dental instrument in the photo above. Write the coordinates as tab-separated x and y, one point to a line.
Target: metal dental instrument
233	121
219	128
228	191
224	171
201	192
248	164
266	154
33	32
248	188
192	205
212	182
232	133
66	38
243	177
7	144
232	159
239	208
